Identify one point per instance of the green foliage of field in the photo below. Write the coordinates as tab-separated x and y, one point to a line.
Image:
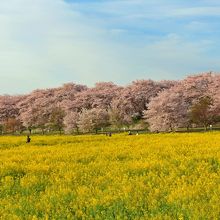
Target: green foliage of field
151	176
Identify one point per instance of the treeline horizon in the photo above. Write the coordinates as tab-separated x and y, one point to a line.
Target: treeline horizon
164	105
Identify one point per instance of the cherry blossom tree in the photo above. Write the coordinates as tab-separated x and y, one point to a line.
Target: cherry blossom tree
214	93
117	116
71	122
37	107
167	111
12	125
9	113
171	108
130	103
93	119
98	97
32	109
8	107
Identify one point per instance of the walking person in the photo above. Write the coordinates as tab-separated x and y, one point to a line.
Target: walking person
28	139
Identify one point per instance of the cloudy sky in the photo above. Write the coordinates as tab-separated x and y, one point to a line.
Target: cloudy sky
45	43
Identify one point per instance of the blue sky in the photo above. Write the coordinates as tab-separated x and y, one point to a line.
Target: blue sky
46	43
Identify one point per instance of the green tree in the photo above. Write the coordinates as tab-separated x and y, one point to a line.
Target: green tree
201	113
56	121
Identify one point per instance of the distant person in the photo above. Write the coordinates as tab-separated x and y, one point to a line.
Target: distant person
28	139
129	133
110	134
137	133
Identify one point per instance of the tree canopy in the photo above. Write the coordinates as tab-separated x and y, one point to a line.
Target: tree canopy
163	105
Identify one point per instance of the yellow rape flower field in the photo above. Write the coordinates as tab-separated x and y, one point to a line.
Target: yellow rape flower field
150	176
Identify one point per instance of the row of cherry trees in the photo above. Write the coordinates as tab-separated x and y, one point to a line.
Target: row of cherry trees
192	101
163	106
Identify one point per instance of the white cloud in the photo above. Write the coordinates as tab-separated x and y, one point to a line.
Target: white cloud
195	11
45	43
42	38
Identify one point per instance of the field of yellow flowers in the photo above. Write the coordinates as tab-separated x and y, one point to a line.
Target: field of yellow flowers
150	176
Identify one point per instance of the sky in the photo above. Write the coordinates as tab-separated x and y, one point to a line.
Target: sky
46	43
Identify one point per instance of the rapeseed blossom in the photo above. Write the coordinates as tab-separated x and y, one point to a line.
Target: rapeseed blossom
152	176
